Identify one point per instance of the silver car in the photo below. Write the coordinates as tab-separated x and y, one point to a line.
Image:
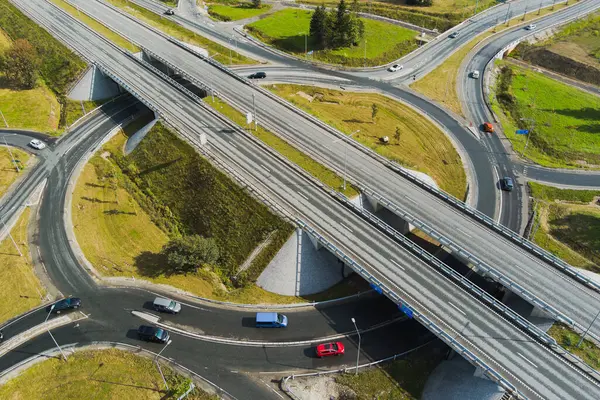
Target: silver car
37	144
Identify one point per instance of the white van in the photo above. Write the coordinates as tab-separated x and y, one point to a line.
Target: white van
475	74
166	305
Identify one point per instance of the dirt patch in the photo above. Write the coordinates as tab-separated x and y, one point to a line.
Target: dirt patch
305	96
316	387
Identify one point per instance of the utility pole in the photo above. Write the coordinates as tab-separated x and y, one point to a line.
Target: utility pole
254	108
540	8
11	154
357	354
507	12
158	365
365	56
52	336
532	127
476	5
587	330
5	123
11	237
305	45
525	13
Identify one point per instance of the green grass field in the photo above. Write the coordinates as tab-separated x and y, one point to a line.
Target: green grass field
399	380
32	109
286	30
99	375
21	289
225	12
567	338
215	50
317	170
566	132
8	171
422	146
569	224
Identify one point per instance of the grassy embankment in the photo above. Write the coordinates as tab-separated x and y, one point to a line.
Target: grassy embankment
422	145
285	30
235	10
21	289
288	151
400	380
44	108
120	202
100	375
440	84
215	50
568	224
8	172
568	339
442	15
566	124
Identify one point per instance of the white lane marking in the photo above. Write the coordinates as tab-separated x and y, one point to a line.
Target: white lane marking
232	145
274	391
300	193
457	309
397	265
265	168
463	232
525	358
346	227
410	199
523	270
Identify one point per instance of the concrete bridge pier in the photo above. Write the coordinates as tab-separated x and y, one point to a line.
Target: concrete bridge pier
373	206
94	85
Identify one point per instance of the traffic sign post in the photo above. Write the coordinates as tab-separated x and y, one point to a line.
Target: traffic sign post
522	131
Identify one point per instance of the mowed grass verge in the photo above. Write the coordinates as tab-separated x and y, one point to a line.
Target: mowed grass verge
100	375
440	84
226	12
21	288
317	170
422	145
399	380
568	224
568	339
98	27
8	170
566	125
215	50
286	31
117	215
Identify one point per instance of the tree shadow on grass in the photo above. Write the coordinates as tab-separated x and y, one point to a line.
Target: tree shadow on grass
581	232
586	113
160	166
151	264
97	200
118	212
589	128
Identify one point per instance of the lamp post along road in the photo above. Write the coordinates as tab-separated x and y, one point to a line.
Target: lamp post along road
588	329
357	354
64	356
158	364
346	153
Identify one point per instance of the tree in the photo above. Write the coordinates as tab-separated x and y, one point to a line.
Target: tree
422	3
21	65
397	134
374	111
257	3
190	252
318	25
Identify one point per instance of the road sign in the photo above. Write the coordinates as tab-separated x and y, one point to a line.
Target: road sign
249	118
376	288
522	131
310	52
407	311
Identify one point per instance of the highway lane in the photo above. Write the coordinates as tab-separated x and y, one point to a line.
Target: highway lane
518	265
476	327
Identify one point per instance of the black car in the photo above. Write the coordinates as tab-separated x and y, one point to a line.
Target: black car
170	11
507	184
257	75
65	304
152	334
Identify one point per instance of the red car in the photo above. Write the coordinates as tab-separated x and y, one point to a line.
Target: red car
330	349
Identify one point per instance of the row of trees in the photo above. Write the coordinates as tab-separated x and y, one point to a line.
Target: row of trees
337	28
20	65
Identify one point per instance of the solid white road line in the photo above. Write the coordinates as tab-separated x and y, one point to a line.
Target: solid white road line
500	203
350	230
397	265
525	358
457	309
300	193
265	168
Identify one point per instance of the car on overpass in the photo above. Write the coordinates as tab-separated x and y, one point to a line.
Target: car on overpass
530	27
454	35
170	11
330	349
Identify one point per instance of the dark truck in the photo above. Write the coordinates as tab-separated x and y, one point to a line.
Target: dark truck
152	334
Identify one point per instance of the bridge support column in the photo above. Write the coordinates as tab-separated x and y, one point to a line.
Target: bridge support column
480	374
373	206
315	242
94	85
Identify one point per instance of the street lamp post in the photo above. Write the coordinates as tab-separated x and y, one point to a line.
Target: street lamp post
346	153
64	356
532	126
357	354
588	329
158	365
254	112
11	154
305	44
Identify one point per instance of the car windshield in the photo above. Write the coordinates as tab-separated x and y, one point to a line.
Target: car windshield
172	304
159	333
280	318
